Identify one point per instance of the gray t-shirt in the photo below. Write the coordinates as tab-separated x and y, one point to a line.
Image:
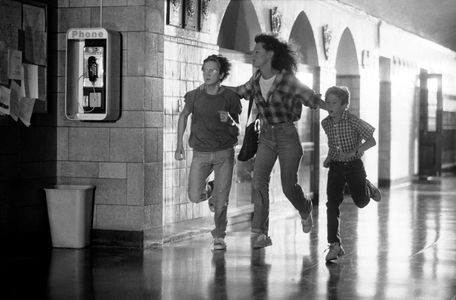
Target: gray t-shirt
208	133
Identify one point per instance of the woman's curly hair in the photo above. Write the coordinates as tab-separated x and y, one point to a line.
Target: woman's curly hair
284	57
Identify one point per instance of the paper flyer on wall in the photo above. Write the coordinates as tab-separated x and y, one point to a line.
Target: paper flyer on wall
26	109
15	96
35	47
15	65
5	100
42	82
34	16
3	63
10	22
31	81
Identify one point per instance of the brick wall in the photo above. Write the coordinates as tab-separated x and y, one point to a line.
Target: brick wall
123	159
183	60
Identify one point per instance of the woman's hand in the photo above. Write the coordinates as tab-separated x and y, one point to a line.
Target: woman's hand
327	162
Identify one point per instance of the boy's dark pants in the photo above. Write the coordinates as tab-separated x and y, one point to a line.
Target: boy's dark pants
354	175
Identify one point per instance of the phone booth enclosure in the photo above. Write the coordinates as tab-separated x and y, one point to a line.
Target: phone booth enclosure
93	74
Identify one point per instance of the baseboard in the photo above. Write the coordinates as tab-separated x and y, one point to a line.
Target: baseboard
449	168
157	237
390	183
117	238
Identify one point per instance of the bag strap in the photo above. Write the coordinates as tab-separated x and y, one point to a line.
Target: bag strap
249	111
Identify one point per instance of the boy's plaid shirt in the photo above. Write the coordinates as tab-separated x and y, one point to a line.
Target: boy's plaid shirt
284	101
346	135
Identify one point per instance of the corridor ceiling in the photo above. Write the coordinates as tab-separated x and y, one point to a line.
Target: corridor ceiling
434	20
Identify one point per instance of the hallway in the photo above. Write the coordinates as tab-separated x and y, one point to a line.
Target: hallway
401	248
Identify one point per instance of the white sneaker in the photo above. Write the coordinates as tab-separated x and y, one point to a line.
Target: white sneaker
374	192
307	223
335	251
260	241
219	244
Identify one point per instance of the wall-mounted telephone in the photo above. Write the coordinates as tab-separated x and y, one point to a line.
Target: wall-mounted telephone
92	67
93	74
93	96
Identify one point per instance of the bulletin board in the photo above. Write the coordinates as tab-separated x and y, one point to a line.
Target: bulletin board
23	59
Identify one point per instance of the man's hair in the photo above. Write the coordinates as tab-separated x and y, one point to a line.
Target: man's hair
284	57
340	92
223	63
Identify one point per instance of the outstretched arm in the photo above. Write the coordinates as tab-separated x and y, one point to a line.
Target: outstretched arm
313	100
321	103
308	97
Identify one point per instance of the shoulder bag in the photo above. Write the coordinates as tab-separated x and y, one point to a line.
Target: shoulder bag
250	142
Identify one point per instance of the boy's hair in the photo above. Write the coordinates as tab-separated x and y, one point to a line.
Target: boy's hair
340	92
284	57
223	63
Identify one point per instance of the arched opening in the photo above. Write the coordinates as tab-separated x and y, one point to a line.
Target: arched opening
239	27
347	69
302	38
236	37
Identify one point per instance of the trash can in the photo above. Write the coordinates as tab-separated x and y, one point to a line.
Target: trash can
70	210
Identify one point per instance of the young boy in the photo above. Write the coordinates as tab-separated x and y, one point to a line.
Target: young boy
348	138
214	133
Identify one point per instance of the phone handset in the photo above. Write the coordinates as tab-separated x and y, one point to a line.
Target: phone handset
92	67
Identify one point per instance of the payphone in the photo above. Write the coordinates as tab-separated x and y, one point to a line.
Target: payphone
93	74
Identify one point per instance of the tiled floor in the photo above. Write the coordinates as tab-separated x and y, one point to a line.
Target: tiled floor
401	248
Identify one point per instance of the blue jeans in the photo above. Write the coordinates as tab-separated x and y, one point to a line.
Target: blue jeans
352	173
203	163
277	141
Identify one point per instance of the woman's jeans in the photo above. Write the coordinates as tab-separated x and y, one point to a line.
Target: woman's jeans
280	141
354	175
203	163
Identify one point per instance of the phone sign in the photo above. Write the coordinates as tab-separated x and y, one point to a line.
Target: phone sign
86	33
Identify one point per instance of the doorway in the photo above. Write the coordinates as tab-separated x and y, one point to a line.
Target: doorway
430	135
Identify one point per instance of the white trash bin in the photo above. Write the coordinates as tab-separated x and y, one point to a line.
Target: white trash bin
70	210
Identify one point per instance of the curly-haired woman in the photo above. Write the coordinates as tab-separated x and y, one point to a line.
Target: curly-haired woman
278	96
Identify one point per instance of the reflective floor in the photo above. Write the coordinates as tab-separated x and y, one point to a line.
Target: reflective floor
401	248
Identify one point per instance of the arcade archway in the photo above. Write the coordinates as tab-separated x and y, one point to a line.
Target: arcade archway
347	69
302	37
238	29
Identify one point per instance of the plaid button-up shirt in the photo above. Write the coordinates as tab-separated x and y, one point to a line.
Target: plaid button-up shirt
284	101
346	135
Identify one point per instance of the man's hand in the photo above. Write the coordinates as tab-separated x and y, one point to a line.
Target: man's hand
180	153
346	155
225	117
